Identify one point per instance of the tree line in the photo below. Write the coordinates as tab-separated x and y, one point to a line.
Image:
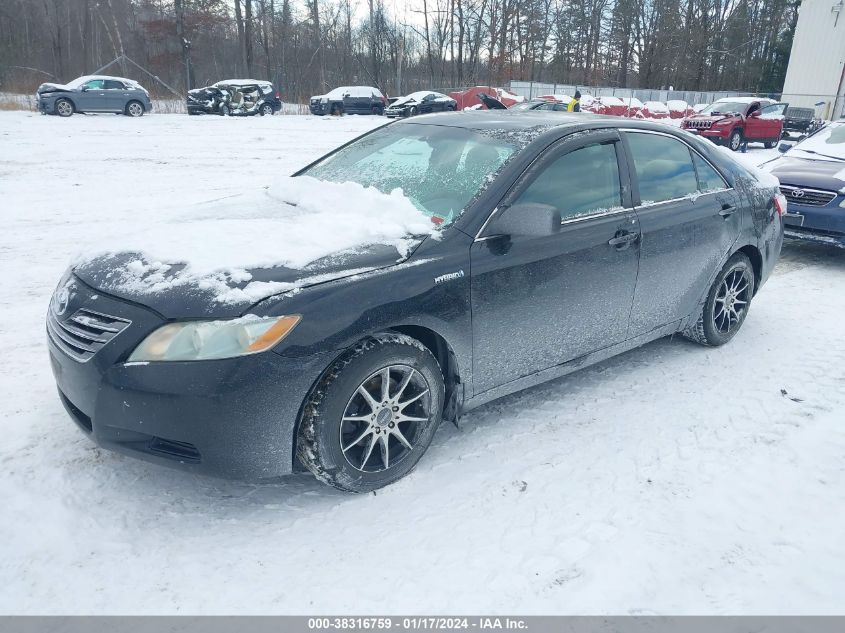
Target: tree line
308	47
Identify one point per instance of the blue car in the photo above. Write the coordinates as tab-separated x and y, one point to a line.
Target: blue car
812	177
94	93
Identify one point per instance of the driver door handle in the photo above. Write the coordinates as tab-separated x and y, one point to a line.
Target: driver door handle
727	210
623	239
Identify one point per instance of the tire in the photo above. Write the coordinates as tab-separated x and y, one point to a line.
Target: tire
266	110
342	437
134	109
769	144
414	111
64	108
336	110
716	327
225	111
735	140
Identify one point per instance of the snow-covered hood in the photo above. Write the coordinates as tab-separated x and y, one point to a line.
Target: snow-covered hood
712	118
48	87
216	261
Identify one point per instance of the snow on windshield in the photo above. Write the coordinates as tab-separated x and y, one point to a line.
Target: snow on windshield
290	225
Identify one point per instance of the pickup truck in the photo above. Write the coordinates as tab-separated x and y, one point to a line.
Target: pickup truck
732	120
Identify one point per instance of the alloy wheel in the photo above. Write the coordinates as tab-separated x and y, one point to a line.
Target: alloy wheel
135	109
64	108
732	299
384	418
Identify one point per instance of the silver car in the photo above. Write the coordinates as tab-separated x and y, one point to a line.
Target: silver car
94	93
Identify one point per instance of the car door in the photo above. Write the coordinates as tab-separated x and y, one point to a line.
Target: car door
538	302
115	95
689	219
427	104
772	119
91	97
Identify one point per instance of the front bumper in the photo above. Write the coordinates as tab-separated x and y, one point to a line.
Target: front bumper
233	418
825	220
715	134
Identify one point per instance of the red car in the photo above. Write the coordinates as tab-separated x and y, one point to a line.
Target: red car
614	106
655	110
732	120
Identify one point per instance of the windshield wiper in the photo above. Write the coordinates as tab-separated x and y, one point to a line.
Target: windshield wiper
812	151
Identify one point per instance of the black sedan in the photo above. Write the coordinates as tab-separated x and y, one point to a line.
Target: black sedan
812	177
562	241
423	102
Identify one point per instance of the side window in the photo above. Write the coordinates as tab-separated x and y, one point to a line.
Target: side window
111	84
94	84
708	178
582	182
664	167
776	111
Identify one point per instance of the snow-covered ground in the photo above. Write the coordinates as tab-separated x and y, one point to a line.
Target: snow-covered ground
672	479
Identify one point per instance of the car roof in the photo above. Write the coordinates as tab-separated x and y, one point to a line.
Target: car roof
538	121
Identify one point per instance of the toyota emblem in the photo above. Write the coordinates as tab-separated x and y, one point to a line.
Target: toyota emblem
797	193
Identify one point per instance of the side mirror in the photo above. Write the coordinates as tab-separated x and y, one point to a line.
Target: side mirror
755	114
783	148
85	88
527	218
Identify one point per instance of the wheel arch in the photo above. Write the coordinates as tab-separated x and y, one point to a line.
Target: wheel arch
753	253
130	102
440	348
70	100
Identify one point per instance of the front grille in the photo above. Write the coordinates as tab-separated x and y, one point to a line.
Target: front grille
809	197
699	125
84	333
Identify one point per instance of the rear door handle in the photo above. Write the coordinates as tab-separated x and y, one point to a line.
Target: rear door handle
623	240
727	210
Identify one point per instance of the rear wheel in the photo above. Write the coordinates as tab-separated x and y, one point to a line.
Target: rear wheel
64	107
726	305
266	110
134	109
770	144
372	415
735	140
225	110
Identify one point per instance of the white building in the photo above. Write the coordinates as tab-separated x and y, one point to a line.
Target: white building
816	72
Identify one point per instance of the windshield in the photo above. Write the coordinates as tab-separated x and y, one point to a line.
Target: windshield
724	107
829	142
439	168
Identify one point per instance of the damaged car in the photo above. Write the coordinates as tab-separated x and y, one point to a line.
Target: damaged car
235	97
422	102
92	94
406	277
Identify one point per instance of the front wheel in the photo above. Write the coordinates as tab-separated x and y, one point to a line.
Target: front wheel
134	109
735	140
726	305
373	414
64	108
414	111
225	110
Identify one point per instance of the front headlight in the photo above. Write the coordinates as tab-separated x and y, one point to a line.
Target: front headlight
207	340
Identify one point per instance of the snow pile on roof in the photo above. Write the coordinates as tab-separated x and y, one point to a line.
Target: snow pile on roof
633	102
558	96
676	105
86	78
612	101
352	91
289	225
504	94
655	106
